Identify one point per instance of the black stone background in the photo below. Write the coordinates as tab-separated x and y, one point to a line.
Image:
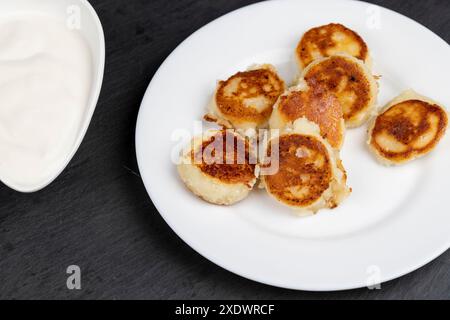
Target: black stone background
98	215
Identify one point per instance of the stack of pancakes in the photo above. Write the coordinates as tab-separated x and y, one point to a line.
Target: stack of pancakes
300	165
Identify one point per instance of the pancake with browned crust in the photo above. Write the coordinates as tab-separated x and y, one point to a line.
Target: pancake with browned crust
245	100
310	174
219	167
409	127
317	105
350	81
329	40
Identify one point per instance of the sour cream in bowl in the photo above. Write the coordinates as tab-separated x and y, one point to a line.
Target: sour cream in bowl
52	56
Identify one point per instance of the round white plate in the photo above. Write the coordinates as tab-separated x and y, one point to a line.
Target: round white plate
396	220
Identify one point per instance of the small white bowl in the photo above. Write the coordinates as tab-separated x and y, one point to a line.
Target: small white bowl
91	29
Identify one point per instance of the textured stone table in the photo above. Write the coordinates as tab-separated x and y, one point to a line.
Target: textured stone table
97	213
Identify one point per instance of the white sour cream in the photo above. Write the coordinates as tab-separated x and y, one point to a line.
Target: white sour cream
45	81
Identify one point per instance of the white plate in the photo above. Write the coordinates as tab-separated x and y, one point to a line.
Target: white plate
92	31
396	220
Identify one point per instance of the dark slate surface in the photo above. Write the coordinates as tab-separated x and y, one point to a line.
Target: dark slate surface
97	213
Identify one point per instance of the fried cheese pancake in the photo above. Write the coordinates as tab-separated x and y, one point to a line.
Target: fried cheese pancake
329	40
410	126
350	81
310	174
218	167
317	105
245	100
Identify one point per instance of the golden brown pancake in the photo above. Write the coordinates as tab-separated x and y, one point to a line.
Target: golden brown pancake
245	99
310	175
350	81
224	147
409	127
219	167
328	40
317	105
300	181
